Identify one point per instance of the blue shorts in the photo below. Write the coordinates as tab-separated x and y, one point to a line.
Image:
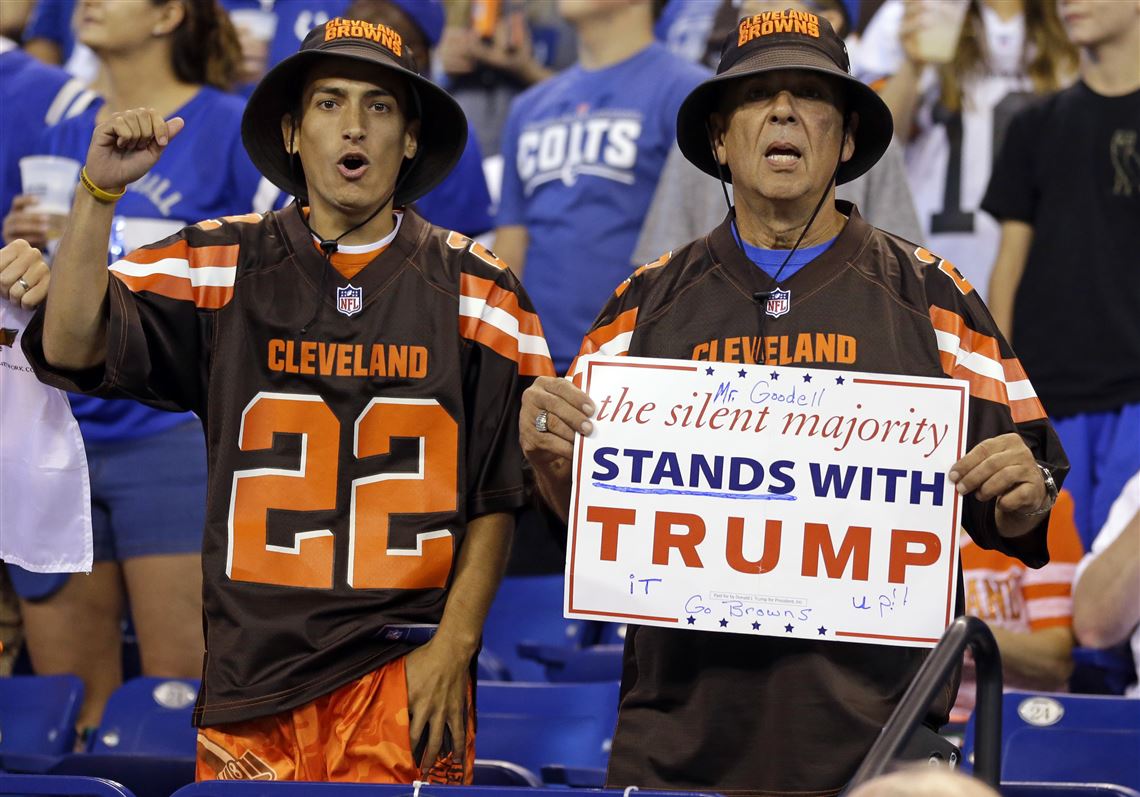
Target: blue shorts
1104	451
148	497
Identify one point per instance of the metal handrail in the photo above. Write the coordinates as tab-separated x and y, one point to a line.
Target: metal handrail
947	654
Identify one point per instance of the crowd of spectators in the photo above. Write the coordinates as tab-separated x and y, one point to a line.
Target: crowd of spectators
1015	157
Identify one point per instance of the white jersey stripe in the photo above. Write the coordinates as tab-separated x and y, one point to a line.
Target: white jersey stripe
1049	608
1022	389
199	276
970	360
475	307
71	89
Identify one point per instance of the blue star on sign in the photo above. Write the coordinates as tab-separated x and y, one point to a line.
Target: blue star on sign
807	377
709	371
755	626
774	376
723	623
789	628
839	380
822	631
742	373
692	620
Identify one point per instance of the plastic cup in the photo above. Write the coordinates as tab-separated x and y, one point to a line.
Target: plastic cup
51	180
937	40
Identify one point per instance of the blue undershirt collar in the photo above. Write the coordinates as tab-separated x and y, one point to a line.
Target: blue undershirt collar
770	260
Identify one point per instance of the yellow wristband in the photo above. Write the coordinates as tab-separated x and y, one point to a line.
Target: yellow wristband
103	196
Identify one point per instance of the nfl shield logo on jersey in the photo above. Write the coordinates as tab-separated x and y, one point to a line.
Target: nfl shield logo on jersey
779	302
349	300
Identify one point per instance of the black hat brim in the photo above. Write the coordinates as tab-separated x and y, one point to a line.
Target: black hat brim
872	136
442	135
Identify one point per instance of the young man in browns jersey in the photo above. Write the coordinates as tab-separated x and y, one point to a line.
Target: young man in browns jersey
784	121
359	373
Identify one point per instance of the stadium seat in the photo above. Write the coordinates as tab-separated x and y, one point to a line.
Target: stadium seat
565	664
149	716
38	713
1063	738
1065	790
539	724
503	773
52	785
528	609
244	788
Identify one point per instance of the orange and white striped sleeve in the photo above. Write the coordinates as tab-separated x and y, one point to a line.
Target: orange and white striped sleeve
495	312
178	270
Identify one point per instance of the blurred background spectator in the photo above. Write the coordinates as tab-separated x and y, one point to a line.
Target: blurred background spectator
1065	288
1106	597
688	203
147	467
494	49
953	73
1029	611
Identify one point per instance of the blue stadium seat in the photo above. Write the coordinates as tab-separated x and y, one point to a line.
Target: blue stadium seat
528	609
503	773
1063	738
149	716
38	713
538	724
243	788
58	786
1065	790
565	664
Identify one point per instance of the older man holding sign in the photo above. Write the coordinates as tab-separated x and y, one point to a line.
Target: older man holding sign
775	494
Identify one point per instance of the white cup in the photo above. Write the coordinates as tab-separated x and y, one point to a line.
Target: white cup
51	180
942	20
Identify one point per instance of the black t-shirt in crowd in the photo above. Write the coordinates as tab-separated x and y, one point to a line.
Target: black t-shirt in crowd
1070	167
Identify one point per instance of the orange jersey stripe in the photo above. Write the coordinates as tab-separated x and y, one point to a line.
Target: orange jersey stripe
603	339
497	296
506	346
196	256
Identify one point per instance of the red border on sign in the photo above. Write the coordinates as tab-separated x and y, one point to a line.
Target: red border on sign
577	480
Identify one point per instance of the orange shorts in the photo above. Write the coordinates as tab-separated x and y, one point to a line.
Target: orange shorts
356	734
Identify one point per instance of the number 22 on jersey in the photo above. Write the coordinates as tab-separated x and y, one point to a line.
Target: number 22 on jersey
312	486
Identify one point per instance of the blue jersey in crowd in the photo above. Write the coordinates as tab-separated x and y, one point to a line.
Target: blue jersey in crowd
33	96
582	153
204	173
51	20
684	27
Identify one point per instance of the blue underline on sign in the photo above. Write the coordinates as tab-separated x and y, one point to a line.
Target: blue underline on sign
706	493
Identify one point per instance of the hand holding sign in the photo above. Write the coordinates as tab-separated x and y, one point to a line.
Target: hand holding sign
766	500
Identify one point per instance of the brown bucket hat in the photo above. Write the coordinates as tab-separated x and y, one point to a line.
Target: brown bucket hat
785	40
443	127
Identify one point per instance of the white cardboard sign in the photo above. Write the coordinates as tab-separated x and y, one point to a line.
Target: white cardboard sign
768	500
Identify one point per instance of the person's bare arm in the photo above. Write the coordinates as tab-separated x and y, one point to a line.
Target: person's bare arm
1106	598
1039	659
122	150
510	247
438	671
1013	251
568	412
900	91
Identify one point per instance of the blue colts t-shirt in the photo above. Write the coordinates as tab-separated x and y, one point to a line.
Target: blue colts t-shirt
203	174
582	153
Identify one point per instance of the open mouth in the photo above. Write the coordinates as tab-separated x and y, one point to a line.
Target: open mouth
781	152
352	165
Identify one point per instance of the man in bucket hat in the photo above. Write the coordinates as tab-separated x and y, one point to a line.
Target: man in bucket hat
359	372
793	277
